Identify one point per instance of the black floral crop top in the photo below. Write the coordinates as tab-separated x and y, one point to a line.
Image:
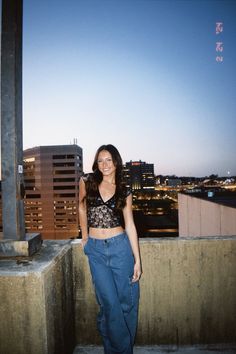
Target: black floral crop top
102	214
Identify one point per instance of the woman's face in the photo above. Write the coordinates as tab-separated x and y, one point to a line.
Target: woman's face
105	163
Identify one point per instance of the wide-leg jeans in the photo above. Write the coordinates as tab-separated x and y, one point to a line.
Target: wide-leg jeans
111	264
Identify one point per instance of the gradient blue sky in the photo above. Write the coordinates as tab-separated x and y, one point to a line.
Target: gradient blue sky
140	74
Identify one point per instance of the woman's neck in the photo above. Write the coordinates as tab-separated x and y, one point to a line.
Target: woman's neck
109	180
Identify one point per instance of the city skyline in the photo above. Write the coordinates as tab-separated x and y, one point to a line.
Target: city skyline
141	75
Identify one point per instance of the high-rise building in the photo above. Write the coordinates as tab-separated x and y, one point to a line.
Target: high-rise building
139	175
51	175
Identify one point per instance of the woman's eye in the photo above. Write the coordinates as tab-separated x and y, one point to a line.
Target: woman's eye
106	160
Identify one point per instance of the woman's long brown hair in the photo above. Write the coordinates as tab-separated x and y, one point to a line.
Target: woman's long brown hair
95	179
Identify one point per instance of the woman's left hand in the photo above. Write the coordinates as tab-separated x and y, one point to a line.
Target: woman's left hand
137	272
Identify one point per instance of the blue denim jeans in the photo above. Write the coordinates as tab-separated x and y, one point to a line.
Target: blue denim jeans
111	264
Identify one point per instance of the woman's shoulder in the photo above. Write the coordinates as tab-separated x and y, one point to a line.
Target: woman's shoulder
126	190
87	177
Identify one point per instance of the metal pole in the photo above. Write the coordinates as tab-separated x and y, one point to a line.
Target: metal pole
11	120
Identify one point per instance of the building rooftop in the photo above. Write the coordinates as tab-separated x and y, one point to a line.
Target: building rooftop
223	198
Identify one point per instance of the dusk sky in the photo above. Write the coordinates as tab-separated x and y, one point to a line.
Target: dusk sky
140	74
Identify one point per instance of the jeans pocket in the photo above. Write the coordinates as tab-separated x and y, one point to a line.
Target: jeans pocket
128	245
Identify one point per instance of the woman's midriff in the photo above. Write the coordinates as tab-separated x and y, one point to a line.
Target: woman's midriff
105	233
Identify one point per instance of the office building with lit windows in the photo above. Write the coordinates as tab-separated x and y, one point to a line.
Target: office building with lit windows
51	176
139	175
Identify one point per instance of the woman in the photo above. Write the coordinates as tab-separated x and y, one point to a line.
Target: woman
113	251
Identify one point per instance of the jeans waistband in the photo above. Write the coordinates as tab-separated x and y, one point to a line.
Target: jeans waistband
112	239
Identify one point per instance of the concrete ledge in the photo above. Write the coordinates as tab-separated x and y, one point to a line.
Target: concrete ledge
21	248
157	349
188	292
36	307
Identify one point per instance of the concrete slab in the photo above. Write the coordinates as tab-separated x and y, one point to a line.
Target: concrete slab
20	248
160	350
37	263
36	307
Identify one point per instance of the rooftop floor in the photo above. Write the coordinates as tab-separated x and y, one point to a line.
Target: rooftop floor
161	350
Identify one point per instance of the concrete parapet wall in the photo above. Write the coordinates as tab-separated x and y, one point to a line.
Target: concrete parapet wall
36	307
188	296
188	292
84	299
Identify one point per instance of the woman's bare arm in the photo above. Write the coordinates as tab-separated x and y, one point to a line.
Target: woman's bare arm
132	234
83	211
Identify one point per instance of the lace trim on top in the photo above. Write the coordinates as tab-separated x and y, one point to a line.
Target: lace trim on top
102	214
